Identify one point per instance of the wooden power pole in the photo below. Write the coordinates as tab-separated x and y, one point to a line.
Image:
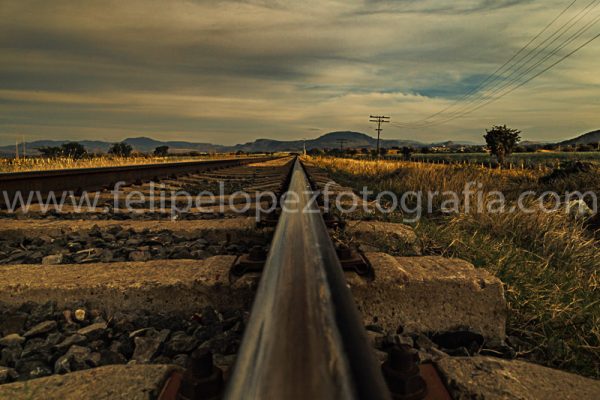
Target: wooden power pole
380	119
341	142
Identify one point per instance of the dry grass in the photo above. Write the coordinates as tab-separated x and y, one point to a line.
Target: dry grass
550	268
43	164
415	176
548	261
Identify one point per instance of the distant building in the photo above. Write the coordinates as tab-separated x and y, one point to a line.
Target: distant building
440	149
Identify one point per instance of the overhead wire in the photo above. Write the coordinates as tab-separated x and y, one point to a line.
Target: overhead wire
488	88
495	75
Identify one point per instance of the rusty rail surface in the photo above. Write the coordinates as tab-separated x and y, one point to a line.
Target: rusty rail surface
98	178
305	338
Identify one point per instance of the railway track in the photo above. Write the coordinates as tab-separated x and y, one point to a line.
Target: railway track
146	286
327	325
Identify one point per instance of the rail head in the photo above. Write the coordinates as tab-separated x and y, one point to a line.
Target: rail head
305	338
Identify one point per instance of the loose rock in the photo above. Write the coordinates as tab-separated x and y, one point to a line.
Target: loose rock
71	340
77	358
181	343
52	259
40	329
93	331
145	348
80	314
12	339
7	375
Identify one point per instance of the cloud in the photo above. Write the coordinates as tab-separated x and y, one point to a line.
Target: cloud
227	71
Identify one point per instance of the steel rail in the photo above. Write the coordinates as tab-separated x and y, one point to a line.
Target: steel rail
89	179
305	338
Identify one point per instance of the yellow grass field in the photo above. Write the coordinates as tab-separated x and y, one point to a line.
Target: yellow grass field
549	262
44	164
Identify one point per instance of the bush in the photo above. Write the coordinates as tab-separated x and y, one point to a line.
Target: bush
72	150
161	151
120	149
502	141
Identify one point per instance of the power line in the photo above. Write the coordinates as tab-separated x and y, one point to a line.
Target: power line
479	101
342	142
504	85
499	69
542	71
380	119
530	55
479	104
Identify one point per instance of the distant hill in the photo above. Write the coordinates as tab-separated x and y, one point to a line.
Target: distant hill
531	143
329	140
587	138
147	145
451	143
142	144
90	145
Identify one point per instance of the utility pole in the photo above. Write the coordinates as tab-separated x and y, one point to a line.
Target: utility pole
341	142
304	146
380	119
16	149
24	149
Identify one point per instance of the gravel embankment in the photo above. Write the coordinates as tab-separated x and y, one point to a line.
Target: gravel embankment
42	340
115	244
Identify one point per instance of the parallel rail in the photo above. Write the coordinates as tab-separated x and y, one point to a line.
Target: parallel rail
98	178
305	338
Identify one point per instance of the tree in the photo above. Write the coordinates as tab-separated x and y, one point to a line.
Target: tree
50	151
520	149
161	151
501	141
407	152
586	147
71	149
120	149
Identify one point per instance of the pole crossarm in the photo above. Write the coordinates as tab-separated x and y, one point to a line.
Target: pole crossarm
379	119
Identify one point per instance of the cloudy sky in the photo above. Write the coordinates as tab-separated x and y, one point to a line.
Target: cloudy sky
233	71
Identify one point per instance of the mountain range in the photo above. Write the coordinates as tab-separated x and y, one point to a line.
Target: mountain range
329	140
145	144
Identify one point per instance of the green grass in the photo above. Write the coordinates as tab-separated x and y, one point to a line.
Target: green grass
550	272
